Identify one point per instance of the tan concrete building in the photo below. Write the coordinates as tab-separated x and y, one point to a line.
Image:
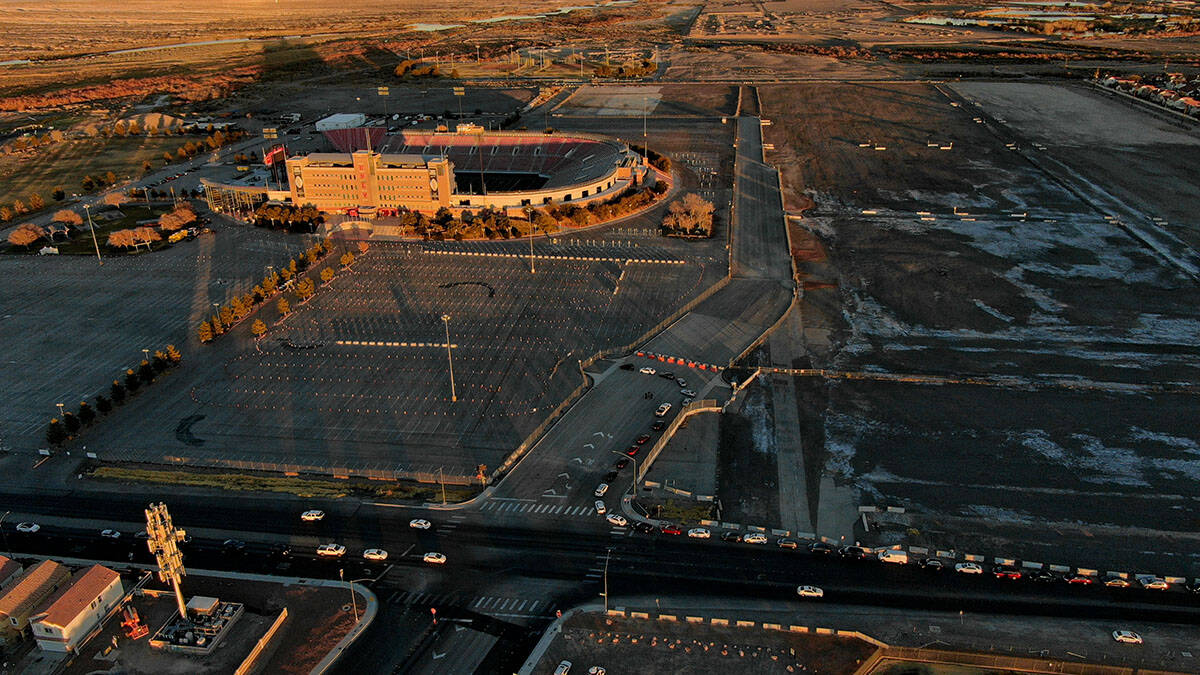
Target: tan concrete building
367	182
67	619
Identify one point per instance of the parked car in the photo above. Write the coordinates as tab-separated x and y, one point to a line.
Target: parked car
788	543
28	528
563	668
1154	583
281	551
617	519
312	516
754	538
110	534
672	530
1043	576
821	548
667	375
600	490
1080	579
809	592
434	558
420	524
731	536
633	450
687	393
699	533
331	550
931	564
642	439
644	528
854	552
376	554
894	556
681	382
600	507
647	370
663	410
1006	572
621	464
596	670
658	425
1127	636
1117	582
968	568
685	401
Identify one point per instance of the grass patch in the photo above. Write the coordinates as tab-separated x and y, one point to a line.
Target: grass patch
294	485
65	164
680	512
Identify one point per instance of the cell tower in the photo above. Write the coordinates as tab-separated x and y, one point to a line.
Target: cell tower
163	542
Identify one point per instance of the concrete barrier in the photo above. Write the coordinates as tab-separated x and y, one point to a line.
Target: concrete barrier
745	624
616	612
974	558
798	629
771	626
639	615
694	619
250	663
667	617
1062	569
1029	565
720	622
824	631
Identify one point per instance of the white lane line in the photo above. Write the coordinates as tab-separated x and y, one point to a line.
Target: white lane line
521	607
479	601
507	602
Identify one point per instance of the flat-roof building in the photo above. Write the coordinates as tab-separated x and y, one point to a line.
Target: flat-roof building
365	181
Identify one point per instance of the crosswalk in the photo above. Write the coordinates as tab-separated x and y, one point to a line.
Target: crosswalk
452	524
538	508
495	606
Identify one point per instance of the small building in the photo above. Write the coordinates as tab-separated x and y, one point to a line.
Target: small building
9	572
68	619
28	593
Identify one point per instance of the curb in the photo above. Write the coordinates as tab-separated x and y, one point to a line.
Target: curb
551	632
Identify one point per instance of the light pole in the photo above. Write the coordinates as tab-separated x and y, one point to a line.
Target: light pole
7	552
92	228
61	414
353	599
442	480
531	227
632	485
606	557
449	358
146	355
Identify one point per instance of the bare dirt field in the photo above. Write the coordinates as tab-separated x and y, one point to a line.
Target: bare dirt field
728	63
65	164
984	262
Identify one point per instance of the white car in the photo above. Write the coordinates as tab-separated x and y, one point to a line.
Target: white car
687	401
1127	636
28	528
331	550
617	519
601	508
755	538
687	393
968	568
435	558
662	410
1154	583
647	371
563	668
681	382
420	524
809	592
601	489
596	670
110	534
375	554
312	516
699	533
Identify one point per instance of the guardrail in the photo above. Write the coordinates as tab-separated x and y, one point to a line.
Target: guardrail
250	663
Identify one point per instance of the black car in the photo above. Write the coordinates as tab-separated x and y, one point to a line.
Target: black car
853	552
821	548
667	376
610	476
658	425
931	564
1043	576
281	551
621	464
627	366
233	546
731	536
1194	587
645	528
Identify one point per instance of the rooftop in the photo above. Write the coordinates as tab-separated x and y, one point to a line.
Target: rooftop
65	605
32	587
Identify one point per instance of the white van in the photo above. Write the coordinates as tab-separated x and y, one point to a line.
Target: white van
894	556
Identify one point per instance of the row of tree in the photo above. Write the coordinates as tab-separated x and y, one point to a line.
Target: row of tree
656	159
305	288
59	431
242	306
416	69
274	216
642	68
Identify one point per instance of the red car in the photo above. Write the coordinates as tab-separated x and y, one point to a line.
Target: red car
1081	579
1006	572
642	439
633	450
671	529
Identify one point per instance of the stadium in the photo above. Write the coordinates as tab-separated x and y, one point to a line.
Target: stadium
375	175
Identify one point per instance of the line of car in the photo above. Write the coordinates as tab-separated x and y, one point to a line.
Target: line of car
334	550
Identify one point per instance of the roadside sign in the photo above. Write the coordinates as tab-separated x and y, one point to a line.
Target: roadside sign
459	91
383	91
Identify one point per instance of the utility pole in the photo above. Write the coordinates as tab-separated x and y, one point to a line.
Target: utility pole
449	358
531	226
442	480
606	557
88	208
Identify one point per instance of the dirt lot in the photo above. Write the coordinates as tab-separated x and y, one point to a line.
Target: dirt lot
631	645
915	263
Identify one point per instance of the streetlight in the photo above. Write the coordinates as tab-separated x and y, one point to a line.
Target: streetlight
449	357
442	480
146	355
61	414
7	551
531	228
635	470
606	557
88	208
353	599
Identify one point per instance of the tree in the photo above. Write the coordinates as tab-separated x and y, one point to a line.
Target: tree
86	414
362	247
67	217
180	217
117	391
146	235
145	372
115	198
159	363
304	289
59	194
103	404
238	308
131	380
26	235
258	328
19	207
110	178
36	202
347	259
173	355
327	275
147	167
71	422
227	315
218	326
205	332
55	434
285	273
6	213
167	158
121	239
284	306
87	183
259	294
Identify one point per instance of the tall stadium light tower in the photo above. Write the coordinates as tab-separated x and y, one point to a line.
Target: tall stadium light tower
449	358
163	541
